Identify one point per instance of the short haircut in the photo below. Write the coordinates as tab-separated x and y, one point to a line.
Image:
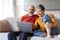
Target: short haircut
41	6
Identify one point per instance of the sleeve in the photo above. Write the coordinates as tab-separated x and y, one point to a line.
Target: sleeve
46	18
55	22
21	19
35	24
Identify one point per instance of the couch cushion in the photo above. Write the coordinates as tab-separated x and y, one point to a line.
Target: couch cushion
5	26
42	38
13	22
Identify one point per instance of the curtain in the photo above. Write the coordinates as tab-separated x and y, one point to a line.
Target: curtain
6	9
20	8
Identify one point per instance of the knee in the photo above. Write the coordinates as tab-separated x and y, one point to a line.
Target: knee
54	31
10	34
23	33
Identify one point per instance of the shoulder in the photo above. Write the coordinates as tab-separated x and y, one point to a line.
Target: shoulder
46	15
25	15
36	15
37	19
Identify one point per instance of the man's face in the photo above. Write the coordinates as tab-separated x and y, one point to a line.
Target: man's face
40	12
31	10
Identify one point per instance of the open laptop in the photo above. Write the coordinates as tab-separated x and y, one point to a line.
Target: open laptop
25	26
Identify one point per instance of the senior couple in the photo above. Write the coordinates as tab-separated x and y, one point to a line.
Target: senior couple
44	25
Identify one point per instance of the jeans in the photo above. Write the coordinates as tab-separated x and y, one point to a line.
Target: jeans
22	35
38	33
13	35
54	30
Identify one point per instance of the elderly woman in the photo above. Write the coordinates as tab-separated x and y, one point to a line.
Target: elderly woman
47	23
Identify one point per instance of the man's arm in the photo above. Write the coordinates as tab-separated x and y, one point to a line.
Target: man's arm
22	18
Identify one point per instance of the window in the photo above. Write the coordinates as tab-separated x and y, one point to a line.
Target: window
6	9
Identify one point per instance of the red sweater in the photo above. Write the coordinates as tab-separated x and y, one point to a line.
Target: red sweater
28	18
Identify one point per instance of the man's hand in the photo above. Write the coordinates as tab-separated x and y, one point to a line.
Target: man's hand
17	29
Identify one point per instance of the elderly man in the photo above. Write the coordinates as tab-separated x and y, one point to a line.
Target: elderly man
29	17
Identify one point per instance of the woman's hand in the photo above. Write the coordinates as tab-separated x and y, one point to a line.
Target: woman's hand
48	25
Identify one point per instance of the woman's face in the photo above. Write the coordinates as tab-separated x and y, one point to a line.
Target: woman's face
40	12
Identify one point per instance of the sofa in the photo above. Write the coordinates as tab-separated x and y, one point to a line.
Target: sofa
12	24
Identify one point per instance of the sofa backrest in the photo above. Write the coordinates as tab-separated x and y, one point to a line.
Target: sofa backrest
58	25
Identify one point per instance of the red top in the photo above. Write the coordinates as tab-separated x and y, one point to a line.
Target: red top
28	18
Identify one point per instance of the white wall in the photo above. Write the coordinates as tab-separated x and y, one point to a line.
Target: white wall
19	8
6	9
55	12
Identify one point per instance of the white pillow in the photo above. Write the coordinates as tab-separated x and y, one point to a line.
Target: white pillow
13	22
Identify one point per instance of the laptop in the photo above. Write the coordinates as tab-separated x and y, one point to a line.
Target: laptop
25	26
